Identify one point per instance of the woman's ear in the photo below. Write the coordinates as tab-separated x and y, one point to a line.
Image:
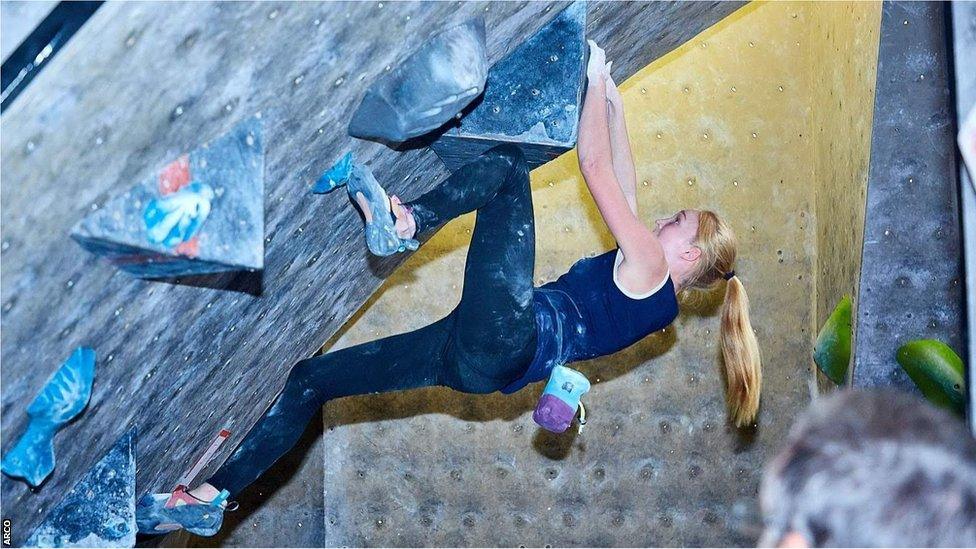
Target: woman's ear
691	254
793	539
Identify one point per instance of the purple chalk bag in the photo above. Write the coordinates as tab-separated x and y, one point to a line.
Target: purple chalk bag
560	399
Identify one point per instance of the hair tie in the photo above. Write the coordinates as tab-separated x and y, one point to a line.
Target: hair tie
729	275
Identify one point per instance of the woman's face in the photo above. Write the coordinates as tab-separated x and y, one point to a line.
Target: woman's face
677	235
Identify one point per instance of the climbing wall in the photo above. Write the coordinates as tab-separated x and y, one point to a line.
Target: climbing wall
730	121
841	85
139	85
912	286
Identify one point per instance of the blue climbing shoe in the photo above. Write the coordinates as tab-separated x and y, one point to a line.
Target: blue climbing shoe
381	235
154	516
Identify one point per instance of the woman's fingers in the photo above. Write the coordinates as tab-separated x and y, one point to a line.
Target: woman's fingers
613	94
610	83
597	63
597	54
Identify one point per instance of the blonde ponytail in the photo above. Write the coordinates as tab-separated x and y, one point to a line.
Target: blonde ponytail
741	362
742	366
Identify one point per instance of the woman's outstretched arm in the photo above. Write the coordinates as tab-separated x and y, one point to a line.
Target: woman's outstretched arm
643	254
596	157
623	158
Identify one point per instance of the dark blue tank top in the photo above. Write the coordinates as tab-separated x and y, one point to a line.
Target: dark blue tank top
583	315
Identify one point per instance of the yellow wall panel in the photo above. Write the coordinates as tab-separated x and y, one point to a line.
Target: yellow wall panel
843	60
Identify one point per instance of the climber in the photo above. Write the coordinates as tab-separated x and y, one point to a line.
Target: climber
504	333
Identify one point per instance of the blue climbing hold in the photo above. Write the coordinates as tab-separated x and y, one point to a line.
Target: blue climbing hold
63	397
336	176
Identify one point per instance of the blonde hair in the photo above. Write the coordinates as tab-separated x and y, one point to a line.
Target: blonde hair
742	365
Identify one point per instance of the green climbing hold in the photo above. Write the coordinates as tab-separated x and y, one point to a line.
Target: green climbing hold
832	352
937	371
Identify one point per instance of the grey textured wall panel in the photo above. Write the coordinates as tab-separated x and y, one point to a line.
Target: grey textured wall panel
911	264
964	64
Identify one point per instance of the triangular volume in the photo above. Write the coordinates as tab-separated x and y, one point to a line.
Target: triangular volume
532	97
201	213
100	511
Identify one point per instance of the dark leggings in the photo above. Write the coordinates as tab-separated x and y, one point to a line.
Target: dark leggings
487	341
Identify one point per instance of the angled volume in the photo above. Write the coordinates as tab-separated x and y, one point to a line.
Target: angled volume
201	213
100	511
532	97
429	88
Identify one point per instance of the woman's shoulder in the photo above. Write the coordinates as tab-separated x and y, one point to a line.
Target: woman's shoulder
663	284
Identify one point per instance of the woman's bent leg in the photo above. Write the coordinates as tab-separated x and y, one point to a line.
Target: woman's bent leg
405	361
495	329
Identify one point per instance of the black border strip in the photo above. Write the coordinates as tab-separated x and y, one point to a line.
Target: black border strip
40	46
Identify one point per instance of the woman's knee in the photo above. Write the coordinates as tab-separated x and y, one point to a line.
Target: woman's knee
513	159
512	169
469	379
478	371
509	152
